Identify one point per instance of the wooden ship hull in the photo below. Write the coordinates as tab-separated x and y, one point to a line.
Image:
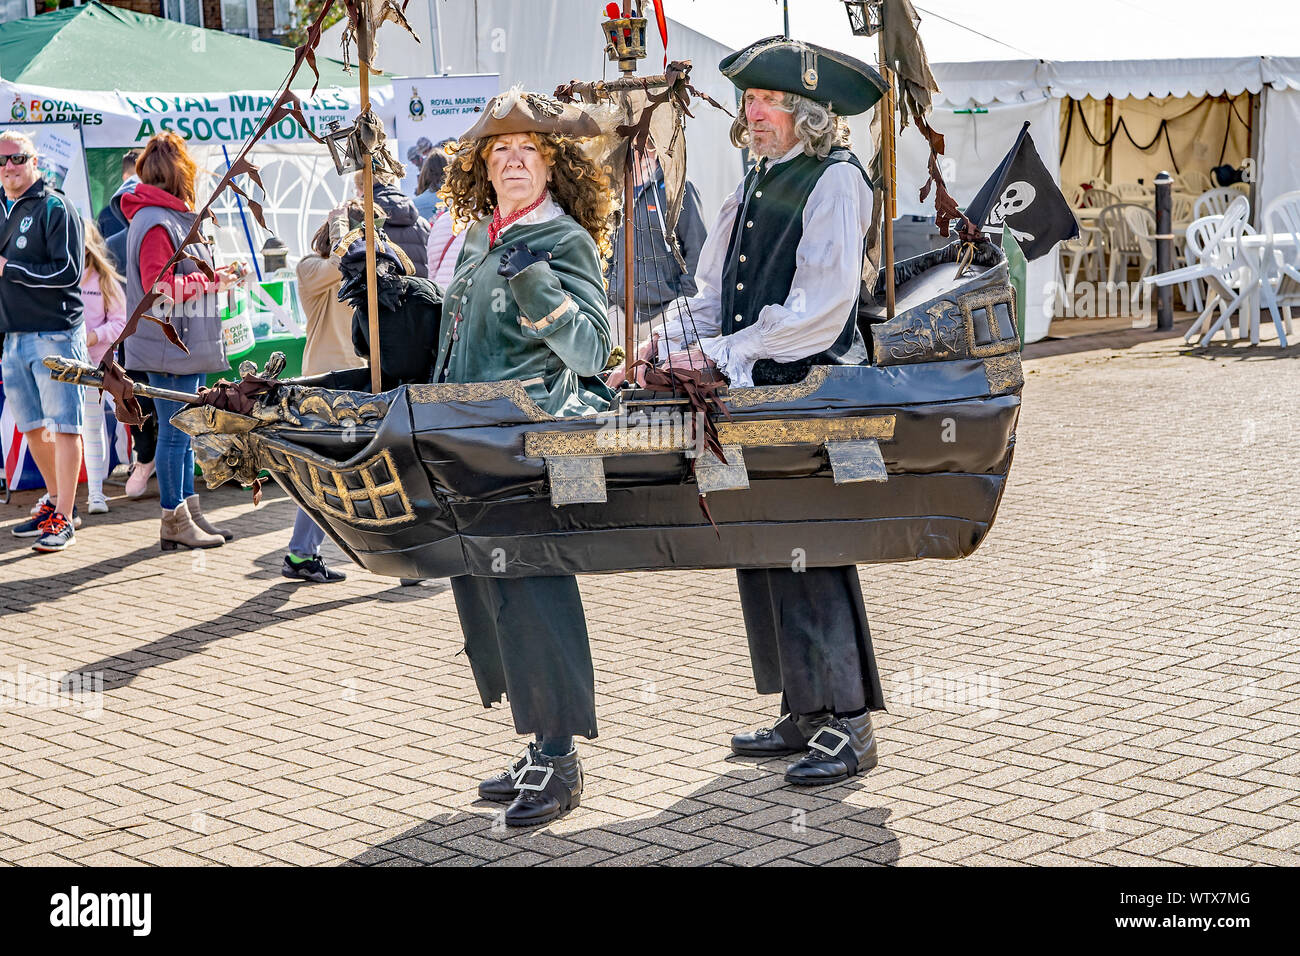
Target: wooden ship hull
901	459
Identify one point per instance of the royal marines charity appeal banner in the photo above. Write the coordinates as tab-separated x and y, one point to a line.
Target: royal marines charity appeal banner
60	158
435	108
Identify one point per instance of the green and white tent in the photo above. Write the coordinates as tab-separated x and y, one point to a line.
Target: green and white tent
125	76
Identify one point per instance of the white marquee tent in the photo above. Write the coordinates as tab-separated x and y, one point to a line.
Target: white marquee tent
998	62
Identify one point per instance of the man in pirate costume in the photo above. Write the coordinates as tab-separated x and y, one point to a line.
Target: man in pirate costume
779	281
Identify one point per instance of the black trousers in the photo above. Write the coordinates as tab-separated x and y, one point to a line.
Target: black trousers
526	638
809	639
144	437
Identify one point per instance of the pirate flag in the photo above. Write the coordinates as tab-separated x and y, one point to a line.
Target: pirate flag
1022	199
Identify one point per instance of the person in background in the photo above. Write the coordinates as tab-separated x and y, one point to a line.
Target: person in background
444	241
429	182
160	209
328	348
418	153
404	225
144	437
660	279
110	220
40	317
105	316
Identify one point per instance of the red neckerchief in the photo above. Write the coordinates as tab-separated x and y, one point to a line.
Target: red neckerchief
498	224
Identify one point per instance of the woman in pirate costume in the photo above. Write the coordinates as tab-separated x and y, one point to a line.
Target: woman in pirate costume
528	302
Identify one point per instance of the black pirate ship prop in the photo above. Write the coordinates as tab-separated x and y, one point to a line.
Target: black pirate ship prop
903	456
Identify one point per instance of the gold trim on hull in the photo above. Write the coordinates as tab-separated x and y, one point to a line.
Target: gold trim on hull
605	441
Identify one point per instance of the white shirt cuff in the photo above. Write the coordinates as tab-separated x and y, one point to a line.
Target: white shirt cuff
735	355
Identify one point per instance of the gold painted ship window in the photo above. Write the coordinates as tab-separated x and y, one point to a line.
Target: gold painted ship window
368	495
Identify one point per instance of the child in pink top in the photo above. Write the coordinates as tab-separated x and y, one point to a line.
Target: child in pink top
104	308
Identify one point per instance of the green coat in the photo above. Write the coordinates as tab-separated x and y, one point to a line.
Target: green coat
545	327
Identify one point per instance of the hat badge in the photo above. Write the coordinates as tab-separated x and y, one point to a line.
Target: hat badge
809	64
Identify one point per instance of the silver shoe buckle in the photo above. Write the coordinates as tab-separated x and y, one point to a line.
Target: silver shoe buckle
524	767
843	739
547	773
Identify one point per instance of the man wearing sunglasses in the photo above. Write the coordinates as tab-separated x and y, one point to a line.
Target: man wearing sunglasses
41	257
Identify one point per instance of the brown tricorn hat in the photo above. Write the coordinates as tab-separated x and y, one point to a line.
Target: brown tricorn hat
518	111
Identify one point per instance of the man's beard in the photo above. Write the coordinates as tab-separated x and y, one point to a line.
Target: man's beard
772	148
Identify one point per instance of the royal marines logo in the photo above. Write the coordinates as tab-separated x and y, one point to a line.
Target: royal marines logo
809	63
21	242
18	112
416	106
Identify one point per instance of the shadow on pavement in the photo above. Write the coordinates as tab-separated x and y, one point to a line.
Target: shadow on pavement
702	828
18	596
258	611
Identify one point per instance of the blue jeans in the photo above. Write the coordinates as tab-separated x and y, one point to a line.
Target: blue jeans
174	459
35	400
307	537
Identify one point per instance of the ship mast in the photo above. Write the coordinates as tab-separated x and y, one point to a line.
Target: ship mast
364	50
625	41
867	18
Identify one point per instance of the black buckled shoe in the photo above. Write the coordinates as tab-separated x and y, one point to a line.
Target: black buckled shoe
844	746
789	735
501	787
546	788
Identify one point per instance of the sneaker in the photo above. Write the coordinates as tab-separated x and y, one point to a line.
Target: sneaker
41	502
138	483
57	534
310	569
31	528
98	505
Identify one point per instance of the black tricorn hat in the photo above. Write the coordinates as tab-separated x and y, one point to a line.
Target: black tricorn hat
845	84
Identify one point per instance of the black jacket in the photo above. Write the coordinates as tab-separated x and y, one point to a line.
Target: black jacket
40	288
113	225
405	226
410	316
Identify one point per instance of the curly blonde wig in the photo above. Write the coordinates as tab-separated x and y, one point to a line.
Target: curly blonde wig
580	187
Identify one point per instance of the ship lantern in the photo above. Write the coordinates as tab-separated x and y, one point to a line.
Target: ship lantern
864	16
625	41
337	140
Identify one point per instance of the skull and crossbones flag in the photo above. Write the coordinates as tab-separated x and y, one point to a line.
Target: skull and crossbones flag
1022	199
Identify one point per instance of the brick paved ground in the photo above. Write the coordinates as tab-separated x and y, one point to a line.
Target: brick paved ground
1111	679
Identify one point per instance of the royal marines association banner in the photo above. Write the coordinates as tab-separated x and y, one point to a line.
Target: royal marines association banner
116	119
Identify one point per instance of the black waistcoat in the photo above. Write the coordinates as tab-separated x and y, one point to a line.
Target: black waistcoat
760	263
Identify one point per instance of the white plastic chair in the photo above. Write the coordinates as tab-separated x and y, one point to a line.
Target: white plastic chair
1098	198
1122	244
1194	181
1215	241
1141	229
1180	218
1132	192
1083	252
1282	217
1214	202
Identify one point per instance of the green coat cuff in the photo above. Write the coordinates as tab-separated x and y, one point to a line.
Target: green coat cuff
544	306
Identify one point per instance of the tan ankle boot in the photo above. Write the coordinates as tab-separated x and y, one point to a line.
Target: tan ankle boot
180	531
196	514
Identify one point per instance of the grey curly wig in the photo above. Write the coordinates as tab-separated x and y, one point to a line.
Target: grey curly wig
819	130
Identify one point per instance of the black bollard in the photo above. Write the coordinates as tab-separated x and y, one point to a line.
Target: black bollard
1164	250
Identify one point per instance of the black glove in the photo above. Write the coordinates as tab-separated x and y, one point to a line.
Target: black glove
518	258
